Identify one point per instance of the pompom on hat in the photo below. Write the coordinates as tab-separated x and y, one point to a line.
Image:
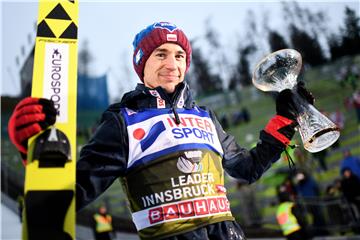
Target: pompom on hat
152	37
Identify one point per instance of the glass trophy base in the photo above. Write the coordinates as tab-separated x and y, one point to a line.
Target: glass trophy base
320	142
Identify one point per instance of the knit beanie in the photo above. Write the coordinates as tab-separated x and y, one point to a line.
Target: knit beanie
152	37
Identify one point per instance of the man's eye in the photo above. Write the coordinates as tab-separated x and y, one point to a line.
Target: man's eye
160	55
180	56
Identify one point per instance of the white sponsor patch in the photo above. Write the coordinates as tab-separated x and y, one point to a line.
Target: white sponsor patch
56	81
171	37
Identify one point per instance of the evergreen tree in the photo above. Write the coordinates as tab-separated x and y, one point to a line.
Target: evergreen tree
306	29
347	42
85	59
335	46
351	33
276	41
308	46
242	75
201	78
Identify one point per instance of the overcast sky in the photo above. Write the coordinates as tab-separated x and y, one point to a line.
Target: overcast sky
111	26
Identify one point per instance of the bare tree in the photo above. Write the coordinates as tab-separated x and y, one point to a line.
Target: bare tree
85	59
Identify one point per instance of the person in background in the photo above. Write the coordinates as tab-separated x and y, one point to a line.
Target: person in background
290	216
102	224
339	119
289	186
309	192
351	162
350	187
321	159
335	206
355	100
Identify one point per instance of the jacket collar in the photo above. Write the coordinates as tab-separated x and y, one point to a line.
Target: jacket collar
144	97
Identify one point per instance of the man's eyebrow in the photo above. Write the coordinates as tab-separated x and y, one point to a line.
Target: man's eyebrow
180	52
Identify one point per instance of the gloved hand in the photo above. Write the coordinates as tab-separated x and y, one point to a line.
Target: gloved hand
31	115
282	126
284	102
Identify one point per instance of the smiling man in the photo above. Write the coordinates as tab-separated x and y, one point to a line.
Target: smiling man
169	153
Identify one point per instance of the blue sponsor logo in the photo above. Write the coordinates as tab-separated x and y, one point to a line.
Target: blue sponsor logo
195	132
153	134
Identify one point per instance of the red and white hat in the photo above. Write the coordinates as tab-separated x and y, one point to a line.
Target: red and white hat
152	37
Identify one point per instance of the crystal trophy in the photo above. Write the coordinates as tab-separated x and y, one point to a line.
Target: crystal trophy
278	71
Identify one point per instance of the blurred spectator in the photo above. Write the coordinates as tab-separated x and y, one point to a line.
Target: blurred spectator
251	213
348	103
236	118
350	186
308	189
335	213
306	185
224	121
102	224
289	186
356	103
240	116
350	76
321	158
334	189
245	114
339	119
351	162
290	216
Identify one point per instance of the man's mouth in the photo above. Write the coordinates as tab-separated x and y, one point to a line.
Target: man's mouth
170	77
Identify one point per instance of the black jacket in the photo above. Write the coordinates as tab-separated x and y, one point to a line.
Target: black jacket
104	158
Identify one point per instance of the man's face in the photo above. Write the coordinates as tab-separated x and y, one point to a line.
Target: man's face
165	67
102	210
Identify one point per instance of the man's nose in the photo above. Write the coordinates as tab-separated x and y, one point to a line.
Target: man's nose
171	62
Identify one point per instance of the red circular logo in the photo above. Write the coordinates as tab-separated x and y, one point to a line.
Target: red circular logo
139	133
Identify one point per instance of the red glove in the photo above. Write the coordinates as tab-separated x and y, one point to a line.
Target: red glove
31	115
281	128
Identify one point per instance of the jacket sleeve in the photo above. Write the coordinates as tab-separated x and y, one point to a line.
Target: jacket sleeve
102	160
248	165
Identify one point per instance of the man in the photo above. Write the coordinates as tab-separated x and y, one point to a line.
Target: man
351	162
102	224
289	216
169	153
350	188
307	190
